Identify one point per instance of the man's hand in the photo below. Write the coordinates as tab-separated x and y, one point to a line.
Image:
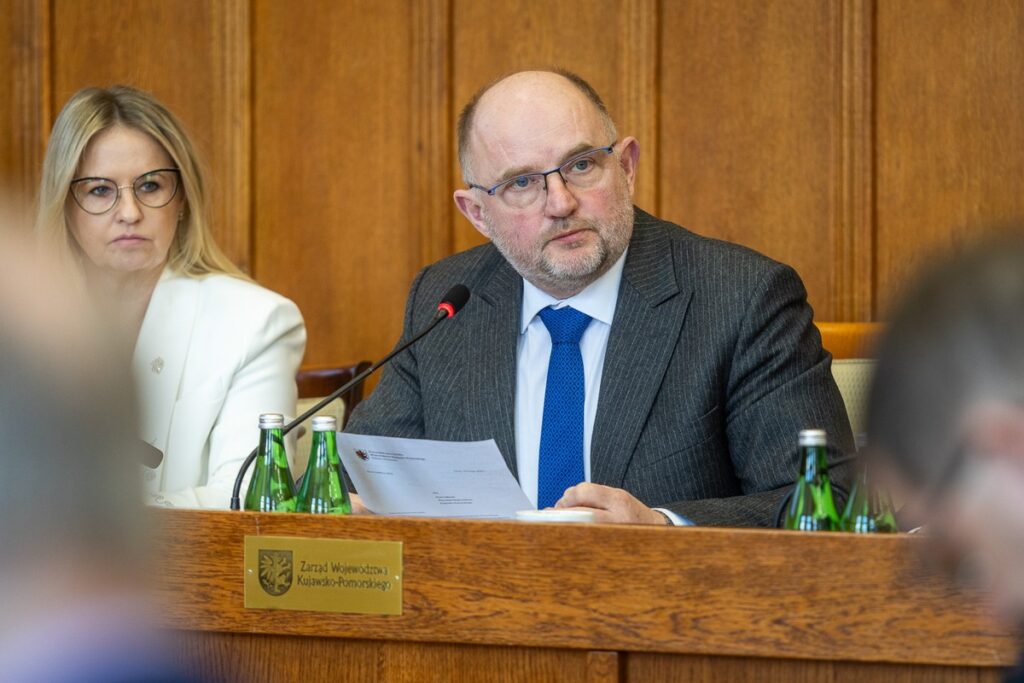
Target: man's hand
609	505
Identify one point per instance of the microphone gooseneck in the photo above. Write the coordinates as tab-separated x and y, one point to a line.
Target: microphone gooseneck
451	303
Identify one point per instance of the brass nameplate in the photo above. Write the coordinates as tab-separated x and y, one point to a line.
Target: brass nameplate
323	574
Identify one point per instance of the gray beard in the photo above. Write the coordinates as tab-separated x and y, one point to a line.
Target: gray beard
565	279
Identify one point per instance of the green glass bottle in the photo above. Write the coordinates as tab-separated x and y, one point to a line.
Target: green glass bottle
885	513
271	488
869	509
323	487
857	517
812	507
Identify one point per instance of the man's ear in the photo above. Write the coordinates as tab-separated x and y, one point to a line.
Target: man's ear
473	210
629	157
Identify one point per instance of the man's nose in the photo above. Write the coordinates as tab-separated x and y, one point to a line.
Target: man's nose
559	201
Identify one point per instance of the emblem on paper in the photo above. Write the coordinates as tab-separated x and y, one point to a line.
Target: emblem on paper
276	571
362	455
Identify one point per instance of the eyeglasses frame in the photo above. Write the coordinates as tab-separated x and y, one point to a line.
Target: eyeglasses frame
607	149
118	188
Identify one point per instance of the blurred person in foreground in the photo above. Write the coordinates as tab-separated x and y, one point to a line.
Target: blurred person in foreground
946	416
71	533
124	201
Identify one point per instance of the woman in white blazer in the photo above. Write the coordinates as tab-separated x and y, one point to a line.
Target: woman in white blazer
123	197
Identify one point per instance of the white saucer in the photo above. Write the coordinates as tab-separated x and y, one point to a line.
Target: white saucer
574	516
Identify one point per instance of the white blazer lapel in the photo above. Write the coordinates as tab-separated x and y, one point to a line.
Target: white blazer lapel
160	353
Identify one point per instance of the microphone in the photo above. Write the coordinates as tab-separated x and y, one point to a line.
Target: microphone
451	303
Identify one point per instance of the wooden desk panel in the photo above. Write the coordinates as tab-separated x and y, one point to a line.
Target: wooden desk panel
560	591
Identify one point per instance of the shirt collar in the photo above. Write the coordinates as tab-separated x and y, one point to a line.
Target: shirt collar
597	299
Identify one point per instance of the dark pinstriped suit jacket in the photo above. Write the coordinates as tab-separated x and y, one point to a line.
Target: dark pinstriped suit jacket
712	368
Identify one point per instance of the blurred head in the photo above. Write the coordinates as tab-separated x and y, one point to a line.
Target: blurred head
946	413
562	230
120	135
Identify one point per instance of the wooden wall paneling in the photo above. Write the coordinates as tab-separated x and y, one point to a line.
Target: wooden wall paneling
335	227
950	128
24	78
638	92
746	130
193	57
491	39
231	127
853	145
433	134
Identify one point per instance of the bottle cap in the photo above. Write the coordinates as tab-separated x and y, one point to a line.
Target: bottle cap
325	423
812	437
271	421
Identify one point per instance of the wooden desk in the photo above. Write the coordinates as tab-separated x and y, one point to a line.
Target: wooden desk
508	601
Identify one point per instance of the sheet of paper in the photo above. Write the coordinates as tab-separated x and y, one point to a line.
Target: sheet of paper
421	478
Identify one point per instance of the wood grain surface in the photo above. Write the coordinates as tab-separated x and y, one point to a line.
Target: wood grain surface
333	133
747	593
747	136
24	114
950	128
849	138
238	658
699	669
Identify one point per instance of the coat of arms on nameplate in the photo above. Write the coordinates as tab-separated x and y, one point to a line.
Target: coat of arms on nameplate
275	571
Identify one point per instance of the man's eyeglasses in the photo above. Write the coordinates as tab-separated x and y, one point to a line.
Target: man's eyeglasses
581	171
154	189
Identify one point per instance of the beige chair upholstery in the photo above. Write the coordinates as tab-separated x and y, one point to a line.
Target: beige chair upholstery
853	376
852	346
305	441
314	384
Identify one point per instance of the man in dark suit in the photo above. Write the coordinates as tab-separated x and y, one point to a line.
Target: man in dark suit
621	363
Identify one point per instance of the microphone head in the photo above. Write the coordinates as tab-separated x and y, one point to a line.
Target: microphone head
454	299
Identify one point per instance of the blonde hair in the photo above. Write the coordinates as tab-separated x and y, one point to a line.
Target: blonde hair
93	110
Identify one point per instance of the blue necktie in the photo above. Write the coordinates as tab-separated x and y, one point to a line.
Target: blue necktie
561	434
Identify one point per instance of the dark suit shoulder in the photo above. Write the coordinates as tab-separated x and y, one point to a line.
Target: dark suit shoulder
473	268
725	276
712	252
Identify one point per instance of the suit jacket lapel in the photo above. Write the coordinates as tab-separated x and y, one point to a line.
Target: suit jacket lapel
492	333
648	318
158	363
